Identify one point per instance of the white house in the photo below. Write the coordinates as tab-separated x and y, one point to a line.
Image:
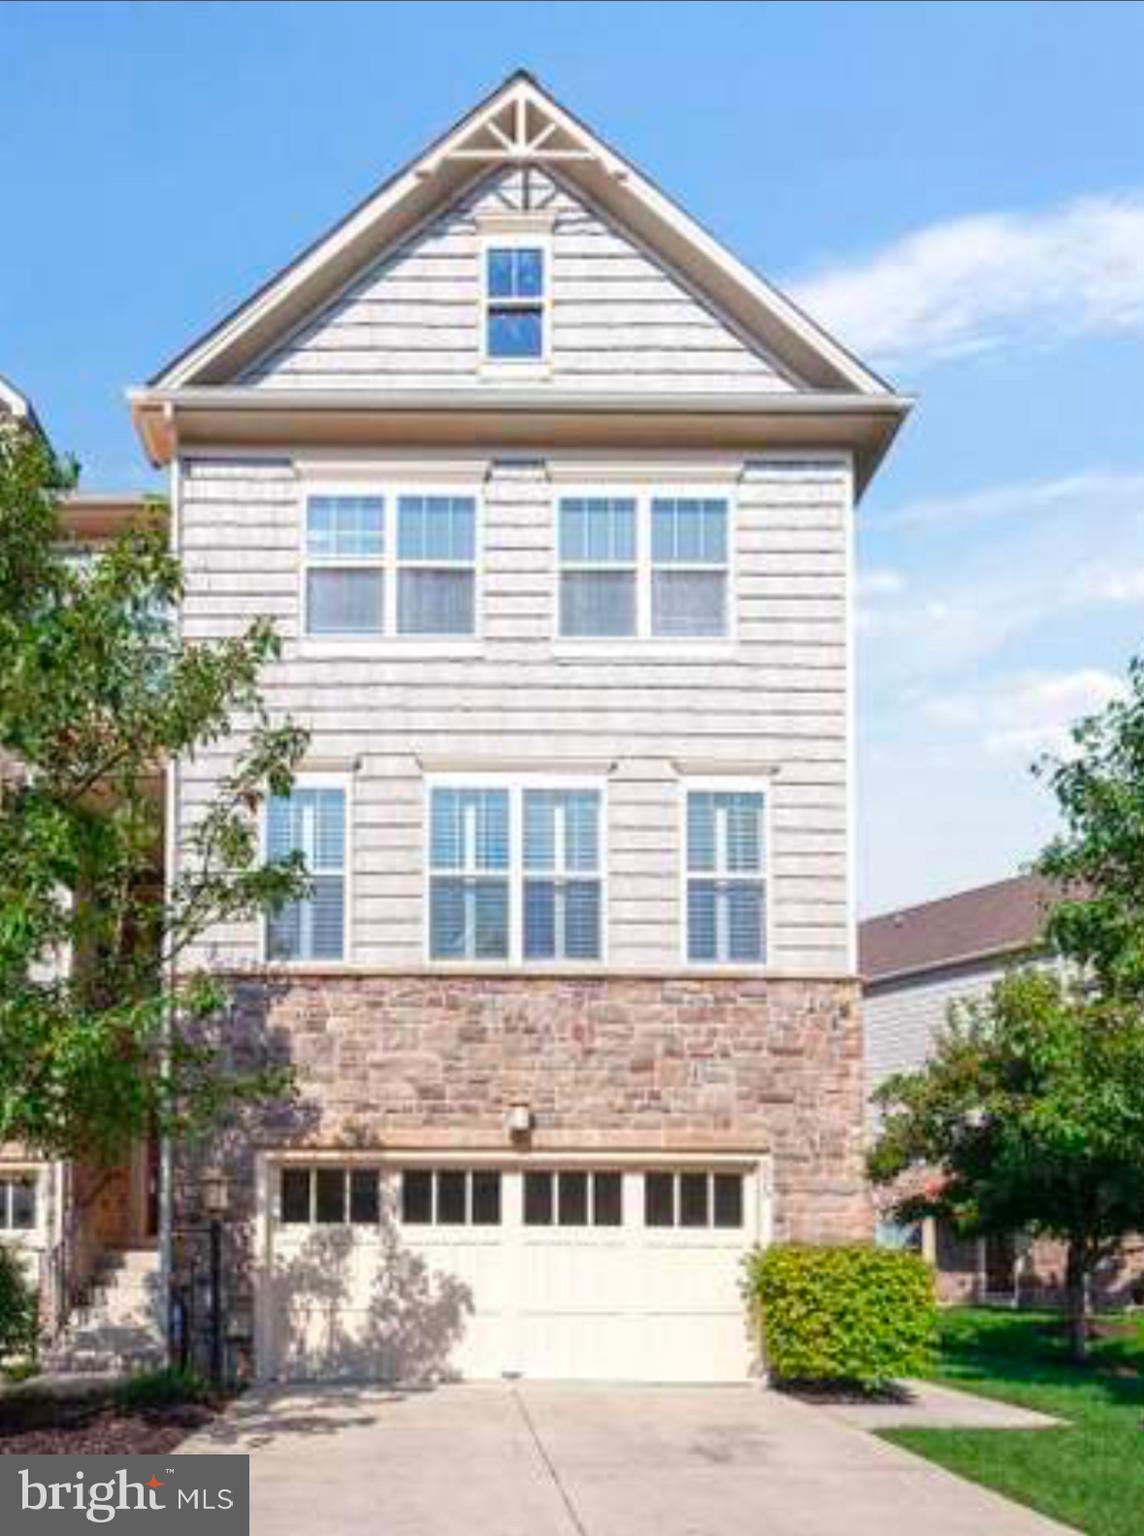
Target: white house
551	498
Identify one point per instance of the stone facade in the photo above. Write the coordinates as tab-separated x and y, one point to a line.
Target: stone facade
622	1063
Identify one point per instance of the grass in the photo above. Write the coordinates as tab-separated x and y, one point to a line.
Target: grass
1089	1472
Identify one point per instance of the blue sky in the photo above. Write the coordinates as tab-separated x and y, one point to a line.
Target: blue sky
958	190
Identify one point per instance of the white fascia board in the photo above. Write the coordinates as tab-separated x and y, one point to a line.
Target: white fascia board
741	402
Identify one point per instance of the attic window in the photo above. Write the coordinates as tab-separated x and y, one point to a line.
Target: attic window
515	282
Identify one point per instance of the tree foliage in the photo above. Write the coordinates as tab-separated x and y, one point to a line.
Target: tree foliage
1029	1115
1030	1112
1098	858
104	1032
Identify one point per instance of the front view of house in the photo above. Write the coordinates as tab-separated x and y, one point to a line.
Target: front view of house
551	499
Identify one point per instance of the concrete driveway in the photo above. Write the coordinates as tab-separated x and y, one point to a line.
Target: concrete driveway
544	1460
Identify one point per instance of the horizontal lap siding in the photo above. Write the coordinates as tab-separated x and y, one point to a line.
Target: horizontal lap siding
618	316
779	701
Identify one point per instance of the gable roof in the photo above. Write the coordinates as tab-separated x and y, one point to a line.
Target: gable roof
17	405
518	123
991	920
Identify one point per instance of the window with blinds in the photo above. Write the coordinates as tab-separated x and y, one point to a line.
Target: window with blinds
515	872
561	874
364	578
643	566
726	876
311	820
469	853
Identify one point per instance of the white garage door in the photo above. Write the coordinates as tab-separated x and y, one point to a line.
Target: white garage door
598	1272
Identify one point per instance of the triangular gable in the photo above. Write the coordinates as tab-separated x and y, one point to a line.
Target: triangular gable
521	125
412	319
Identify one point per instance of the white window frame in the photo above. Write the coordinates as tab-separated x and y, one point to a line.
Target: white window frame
643	639
515	784
310	779
726	784
390	565
516	239
16	1173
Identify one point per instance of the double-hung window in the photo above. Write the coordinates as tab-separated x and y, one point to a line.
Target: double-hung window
515	872
726	897
515	280
643	566
345	572
688	566
436	565
311	821
598	568
396	564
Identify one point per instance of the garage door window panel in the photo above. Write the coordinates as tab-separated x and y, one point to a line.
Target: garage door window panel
695	1200
329	1196
451	1197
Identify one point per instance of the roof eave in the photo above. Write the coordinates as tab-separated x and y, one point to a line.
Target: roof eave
1026	948
865	424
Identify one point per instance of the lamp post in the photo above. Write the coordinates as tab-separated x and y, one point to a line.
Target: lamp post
214	1195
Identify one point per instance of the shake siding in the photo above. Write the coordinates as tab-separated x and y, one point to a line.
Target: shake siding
778	701
619	317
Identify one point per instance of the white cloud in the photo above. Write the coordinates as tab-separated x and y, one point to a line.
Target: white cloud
976	282
1092	491
1028	714
1055	554
881	580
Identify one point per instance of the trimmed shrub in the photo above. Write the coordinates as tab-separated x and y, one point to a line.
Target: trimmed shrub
162	1388
854	1315
19	1308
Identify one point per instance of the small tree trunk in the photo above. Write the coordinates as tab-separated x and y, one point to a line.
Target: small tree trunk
1076	1299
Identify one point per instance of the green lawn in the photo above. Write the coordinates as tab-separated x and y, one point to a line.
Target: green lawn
1090	1472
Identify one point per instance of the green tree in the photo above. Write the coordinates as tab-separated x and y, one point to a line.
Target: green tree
1098	858
1029	1116
104	1031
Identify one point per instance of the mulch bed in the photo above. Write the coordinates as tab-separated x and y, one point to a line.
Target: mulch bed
32	1426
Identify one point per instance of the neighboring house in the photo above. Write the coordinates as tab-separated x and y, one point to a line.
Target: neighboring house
915	963
551	499
75	1223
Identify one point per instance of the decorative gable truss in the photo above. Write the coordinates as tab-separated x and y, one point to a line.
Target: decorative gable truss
644	310
617	314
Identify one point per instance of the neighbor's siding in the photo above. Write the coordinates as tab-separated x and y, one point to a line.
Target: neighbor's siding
780	702
619	316
903	1017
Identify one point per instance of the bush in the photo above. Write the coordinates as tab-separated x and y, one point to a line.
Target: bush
19	1308
162	1389
854	1315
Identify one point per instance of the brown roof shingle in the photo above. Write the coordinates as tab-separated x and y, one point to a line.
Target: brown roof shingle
1005	917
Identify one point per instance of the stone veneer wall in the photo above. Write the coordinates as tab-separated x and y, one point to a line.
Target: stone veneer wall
624	1063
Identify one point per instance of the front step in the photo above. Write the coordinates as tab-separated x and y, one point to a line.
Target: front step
118	1326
